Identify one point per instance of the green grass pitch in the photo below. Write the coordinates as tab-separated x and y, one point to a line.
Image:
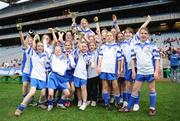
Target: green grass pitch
168	107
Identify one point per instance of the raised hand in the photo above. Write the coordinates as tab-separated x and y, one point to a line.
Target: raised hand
114	18
51	30
37	37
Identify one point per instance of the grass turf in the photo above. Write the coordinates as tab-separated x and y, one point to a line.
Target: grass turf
168	107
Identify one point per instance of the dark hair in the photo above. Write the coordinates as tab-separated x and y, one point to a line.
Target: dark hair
64	36
174	52
118	34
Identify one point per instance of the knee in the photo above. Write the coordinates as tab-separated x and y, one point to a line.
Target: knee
50	94
31	93
115	87
129	86
105	86
72	90
25	85
43	93
83	87
135	91
67	93
152	89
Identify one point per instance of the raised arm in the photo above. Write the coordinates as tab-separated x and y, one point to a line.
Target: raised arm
98	30
145	23
35	39
115	23
21	35
97	25
53	34
60	37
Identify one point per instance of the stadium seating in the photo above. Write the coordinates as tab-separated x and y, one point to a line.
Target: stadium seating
164	39
9	53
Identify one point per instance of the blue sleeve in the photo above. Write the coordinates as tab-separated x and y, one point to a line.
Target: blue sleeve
119	54
88	59
155	53
133	54
48	65
100	52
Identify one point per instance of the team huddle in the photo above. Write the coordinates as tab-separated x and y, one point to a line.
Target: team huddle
77	62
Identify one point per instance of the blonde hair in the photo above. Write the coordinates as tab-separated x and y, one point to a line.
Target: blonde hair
131	30
84	19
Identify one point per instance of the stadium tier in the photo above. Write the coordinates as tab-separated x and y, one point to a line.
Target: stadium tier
53	13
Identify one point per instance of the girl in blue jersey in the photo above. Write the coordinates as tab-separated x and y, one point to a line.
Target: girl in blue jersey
84	28
48	47
93	76
69	73
121	79
59	64
38	75
109	68
26	44
82	60
146	55
126	46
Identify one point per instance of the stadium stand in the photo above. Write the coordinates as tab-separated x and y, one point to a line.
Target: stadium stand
10	53
167	40
42	14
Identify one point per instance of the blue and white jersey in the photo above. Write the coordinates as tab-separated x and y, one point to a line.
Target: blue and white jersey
39	63
110	54
74	44
26	60
126	47
145	54
92	72
60	64
86	31
81	60
69	72
71	52
48	49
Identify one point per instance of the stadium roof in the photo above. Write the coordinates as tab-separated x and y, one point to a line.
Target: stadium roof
6	3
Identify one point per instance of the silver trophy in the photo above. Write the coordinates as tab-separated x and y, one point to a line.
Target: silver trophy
73	16
74	25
